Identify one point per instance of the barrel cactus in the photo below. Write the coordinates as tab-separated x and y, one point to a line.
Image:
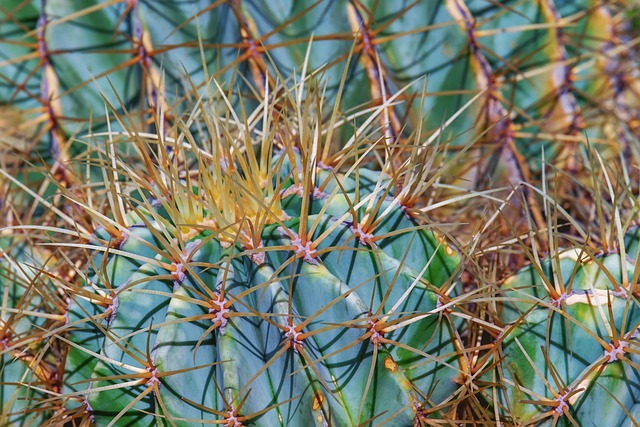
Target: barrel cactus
29	359
269	284
537	73
569	350
220	245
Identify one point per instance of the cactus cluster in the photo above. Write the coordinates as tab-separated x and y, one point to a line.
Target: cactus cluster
331	213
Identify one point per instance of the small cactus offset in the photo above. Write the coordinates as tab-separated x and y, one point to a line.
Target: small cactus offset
569	350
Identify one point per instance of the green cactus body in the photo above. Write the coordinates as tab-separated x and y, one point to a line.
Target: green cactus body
24	372
571	360
350	331
278	267
543	64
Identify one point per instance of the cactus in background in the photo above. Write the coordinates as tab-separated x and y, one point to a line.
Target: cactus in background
538	73
568	353
30	309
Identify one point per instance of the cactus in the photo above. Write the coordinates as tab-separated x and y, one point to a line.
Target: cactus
538	73
568	352
30	308
235	243
273	284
